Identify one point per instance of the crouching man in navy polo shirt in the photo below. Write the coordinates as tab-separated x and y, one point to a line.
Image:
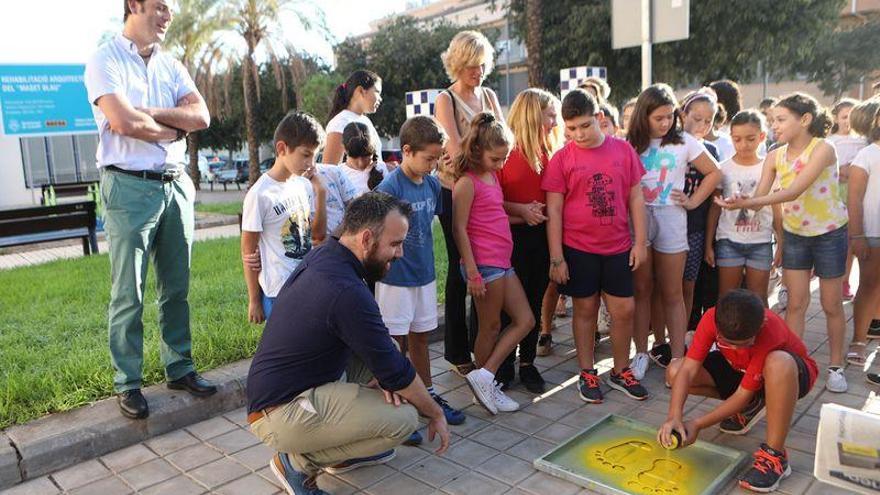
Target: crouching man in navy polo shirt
327	388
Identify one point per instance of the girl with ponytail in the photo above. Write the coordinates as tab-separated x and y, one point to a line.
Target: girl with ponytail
482	234
358	96
814	218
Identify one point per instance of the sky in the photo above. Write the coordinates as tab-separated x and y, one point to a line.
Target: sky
63	31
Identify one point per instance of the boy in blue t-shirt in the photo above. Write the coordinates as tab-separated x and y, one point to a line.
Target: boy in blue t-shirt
407	296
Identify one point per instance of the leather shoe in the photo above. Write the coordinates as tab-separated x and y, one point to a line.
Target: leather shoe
132	404
193	383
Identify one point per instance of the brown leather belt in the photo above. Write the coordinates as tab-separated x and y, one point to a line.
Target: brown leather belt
254	416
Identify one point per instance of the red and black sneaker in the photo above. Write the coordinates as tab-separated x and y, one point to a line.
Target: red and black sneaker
626	382
743	421
588	386
770	467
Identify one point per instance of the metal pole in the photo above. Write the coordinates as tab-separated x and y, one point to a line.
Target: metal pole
646	43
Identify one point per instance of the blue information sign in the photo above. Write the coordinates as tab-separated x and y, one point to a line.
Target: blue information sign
44	99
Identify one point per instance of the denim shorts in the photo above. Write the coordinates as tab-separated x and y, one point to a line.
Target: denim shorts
268	303
730	254
825	254
488	273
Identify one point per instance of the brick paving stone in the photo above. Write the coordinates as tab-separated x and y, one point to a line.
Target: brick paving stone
106	486
193	457
400	483
367	476
149	473
234	441
435	471
249	485
39	486
472	483
406	456
171	442
530	449
128	457
179	485
497	437
332	484
523	422
506	469
541	483
80	474
239	417
469	453
557	433
256	457
218	472
211	428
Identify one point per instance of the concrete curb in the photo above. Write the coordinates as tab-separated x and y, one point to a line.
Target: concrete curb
65	439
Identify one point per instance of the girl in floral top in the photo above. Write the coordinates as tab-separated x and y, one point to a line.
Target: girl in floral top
814	218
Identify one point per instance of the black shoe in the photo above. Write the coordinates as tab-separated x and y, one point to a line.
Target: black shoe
132	404
533	381
873	378
742	422
627	383
770	467
661	355
193	383
588	387
874	330
505	373
545	344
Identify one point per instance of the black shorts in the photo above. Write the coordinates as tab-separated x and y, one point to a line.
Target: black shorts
590	273
727	379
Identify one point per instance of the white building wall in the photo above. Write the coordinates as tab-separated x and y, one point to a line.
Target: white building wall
13	192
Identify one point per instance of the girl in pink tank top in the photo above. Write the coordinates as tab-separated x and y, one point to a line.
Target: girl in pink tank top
482	234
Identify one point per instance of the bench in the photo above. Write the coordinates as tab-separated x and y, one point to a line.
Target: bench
51	192
50	223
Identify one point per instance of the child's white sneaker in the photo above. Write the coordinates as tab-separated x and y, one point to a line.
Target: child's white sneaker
836	380
639	365
482	384
504	403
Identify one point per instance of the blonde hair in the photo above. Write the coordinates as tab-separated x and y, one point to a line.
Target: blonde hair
526	120
467	48
599	86
486	132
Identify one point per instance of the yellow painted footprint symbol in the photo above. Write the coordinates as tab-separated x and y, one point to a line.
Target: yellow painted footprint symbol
619	456
662	479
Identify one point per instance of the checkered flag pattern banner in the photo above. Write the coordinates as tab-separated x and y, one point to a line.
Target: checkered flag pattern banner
570	78
421	102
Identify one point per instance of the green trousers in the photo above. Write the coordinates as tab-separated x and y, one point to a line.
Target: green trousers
148	219
337	421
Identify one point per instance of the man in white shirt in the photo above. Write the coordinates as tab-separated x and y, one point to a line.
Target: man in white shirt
145	103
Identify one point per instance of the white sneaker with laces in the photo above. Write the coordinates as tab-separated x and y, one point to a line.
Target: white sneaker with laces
836	380
482	384
502	402
639	365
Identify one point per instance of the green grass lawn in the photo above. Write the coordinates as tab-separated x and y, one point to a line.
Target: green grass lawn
230	208
53	327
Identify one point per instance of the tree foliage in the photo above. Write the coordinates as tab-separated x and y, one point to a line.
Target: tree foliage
845	57
727	40
317	93
406	55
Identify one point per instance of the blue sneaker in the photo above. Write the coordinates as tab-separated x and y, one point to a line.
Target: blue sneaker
453	416
293	481
357	462
414	439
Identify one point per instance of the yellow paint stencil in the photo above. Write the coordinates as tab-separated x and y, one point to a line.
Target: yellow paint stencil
622	456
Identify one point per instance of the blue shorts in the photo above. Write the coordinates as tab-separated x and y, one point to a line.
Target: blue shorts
488	273
268	302
730	254
825	254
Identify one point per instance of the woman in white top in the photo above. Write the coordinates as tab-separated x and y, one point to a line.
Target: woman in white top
467	62
358	96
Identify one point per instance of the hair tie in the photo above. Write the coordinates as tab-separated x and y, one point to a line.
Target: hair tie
344	86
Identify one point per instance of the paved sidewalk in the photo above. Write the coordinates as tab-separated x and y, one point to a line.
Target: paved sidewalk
38	256
488	455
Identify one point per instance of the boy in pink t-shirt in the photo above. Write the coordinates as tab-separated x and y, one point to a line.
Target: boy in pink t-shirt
593	189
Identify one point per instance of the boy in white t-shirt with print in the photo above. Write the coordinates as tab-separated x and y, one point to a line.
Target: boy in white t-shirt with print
284	212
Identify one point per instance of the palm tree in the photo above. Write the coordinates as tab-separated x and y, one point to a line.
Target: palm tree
194	36
259	24
534	42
